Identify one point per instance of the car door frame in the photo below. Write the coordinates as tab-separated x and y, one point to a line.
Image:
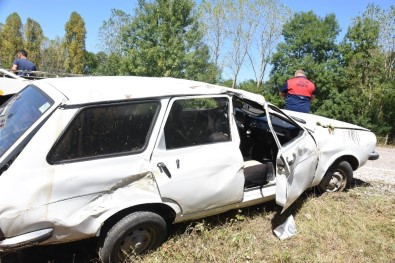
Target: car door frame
213	195
286	190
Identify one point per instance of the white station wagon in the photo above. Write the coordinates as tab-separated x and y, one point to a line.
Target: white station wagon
119	158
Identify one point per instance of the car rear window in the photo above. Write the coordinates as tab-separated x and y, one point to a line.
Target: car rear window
100	131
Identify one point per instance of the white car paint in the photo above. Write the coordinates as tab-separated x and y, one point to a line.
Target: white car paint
11	83
46	203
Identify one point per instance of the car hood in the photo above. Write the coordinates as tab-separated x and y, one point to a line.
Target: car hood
312	122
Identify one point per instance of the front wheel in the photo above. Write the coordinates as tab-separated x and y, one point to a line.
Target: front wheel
135	234
338	178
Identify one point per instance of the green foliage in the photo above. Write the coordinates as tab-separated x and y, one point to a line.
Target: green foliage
34	38
11	39
91	63
75	44
110	33
202	103
164	39
309	44
366	72
251	86
53	56
354	78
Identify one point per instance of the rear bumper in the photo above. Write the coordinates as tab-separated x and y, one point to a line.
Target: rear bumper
25	240
373	156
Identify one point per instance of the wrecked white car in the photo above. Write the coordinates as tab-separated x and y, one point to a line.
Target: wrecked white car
119	158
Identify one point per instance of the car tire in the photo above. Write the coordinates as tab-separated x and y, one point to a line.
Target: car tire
338	178
135	234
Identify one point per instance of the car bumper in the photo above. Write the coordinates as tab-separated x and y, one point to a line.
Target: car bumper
373	156
25	240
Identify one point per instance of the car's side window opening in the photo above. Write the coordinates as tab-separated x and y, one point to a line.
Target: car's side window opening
197	121
286	131
105	130
257	144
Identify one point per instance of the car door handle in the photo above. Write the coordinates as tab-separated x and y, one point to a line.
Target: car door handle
162	168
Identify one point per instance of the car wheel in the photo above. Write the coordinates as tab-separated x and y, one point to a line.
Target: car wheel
338	178
135	234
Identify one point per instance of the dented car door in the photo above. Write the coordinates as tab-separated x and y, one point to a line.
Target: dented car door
297	157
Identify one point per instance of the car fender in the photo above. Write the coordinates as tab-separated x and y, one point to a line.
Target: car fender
332	150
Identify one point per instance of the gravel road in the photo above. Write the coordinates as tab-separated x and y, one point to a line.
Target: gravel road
381	170
379	174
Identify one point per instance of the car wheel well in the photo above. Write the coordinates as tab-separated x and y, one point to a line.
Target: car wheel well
348	158
164	211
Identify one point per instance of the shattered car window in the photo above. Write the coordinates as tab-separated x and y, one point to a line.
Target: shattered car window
19	113
197	121
106	130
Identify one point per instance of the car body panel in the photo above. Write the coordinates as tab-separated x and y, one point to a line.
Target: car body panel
54	193
336	139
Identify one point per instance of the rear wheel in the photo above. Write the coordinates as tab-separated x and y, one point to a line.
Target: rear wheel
135	234
338	178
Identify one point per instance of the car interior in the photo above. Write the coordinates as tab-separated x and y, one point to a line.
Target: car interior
258	146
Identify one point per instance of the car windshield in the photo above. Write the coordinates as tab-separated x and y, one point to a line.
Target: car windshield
19	113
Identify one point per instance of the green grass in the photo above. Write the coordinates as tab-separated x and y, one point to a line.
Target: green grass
353	226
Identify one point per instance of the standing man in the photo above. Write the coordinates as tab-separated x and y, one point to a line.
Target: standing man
298	92
22	63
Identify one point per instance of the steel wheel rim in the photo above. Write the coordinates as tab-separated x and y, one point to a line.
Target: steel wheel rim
136	242
337	181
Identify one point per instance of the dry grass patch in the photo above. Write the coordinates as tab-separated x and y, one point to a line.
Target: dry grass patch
356	226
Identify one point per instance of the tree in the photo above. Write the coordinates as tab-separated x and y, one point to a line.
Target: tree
11	39
108	64
75	44
271	17
164	39
111	31
367	54
34	38
242	24
112	43
309	44
387	46
1	43
53	56
213	18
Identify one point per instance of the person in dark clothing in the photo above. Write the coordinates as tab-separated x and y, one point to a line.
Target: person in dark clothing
22	63
298	92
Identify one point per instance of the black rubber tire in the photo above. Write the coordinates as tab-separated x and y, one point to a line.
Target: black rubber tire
338	178
135	234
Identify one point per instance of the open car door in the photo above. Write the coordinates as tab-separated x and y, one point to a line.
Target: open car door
297	157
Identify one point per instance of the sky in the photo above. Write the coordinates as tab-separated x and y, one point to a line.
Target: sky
52	15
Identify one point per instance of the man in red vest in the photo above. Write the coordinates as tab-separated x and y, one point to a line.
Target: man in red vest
298	92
